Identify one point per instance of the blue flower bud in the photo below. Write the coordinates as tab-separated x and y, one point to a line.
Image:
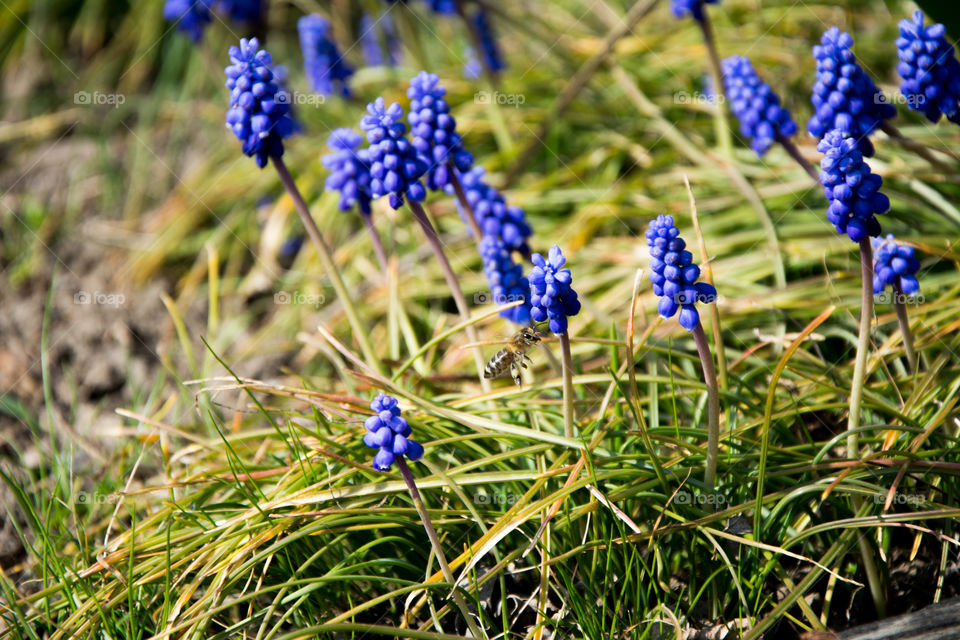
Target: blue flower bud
844	96
389	432
260	114
758	108
893	262
552	298
322	61
929	68
851	188
674	276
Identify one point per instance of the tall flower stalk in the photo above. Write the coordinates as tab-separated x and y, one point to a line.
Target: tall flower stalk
389	432
697	10
553	300
260	117
396	168
674	278
855	200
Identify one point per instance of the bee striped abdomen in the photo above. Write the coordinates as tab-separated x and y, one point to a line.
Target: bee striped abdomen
498	363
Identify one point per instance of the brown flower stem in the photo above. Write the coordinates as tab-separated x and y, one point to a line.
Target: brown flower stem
921	150
465	205
458	598
434	241
863	349
377	242
713	405
791	148
567	370
326	257
901	307
724	138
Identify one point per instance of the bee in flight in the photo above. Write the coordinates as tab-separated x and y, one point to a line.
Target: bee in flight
512	355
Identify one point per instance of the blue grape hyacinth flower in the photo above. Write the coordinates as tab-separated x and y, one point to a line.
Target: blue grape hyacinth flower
694	8
489	49
434	130
260	114
389	432
762	119
443	7
852	189
893	262
472	68
506	280
190	16
370	45
349	168
929	68
844	96
493	215
323	64
552	299
248	11
673	274
395	165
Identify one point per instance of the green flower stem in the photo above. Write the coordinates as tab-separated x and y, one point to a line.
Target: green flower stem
920	149
791	148
863	349
724	137
326	257
713	405
377	242
853	423
434	240
870	568
901	308
465	205
567	368
437	549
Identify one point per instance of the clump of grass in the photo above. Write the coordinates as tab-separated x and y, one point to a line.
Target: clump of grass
237	507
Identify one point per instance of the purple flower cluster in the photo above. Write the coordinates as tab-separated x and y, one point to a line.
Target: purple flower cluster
247	11
349	168
489	48
929	68
395	165
852	189
443	7
190	16
260	113
844	96
506	280
684	8
324	65
673	274
390	433
434	130
893	262
493	215
552	299
370	44
755	104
